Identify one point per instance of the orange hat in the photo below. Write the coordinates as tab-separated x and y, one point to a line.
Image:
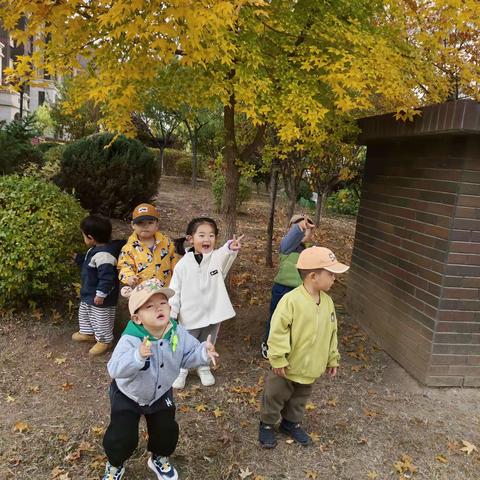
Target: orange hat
320	257
144	211
141	293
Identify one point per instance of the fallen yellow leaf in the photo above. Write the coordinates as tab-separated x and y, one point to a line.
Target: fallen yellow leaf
201	408
67	386
245	473
60	360
21	427
468	447
217	412
372	475
441	458
97	431
315	437
311	474
332	402
10	399
310	406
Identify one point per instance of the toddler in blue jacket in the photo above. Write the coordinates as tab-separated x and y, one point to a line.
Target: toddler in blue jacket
99	289
143	367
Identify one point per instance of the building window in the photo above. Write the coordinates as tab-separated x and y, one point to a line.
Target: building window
41	98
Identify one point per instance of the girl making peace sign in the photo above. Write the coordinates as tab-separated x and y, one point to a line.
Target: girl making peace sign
201	300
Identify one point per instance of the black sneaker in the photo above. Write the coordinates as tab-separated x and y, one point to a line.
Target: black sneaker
264	348
295	431
266	436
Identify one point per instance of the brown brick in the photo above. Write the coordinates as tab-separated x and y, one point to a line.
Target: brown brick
469	200
464	247
467	212
473	360
465	370
444	381
466	224
461	293
453	338
449	359
460	305
471	381
458	327
453	316
456	349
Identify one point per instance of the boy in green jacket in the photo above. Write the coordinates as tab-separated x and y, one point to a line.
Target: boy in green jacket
302	344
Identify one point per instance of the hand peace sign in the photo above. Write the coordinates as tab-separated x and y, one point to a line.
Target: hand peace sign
236	243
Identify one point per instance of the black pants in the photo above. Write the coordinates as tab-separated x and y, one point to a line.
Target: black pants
121	437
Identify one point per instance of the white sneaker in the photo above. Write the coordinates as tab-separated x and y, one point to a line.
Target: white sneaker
162	468
179	382
206	376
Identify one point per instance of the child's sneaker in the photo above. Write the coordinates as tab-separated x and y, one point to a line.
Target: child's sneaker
161	466
83	337
266	436
179	382
264	348
113	473
99	349
295	431
206	376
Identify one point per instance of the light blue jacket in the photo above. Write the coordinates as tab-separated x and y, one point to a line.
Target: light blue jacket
146	380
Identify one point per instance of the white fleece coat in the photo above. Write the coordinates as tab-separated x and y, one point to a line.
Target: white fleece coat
201	298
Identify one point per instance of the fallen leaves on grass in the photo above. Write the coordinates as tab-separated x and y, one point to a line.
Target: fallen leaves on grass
310	406
60	360
21	427
405	466
313	474
10	399
217	412
315	437
34	388
98	431
441	458
370	413
372	475
332	402
468	447
67	386
245	473
201	407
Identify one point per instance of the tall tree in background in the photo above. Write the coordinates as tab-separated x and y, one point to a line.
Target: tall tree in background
288	63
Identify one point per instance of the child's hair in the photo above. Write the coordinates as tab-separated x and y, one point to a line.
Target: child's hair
191	229
305	272
97	227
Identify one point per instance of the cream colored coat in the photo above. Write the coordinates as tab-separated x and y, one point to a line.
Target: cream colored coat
201	298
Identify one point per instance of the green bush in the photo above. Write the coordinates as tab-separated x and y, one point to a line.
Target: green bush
171	159
109	178
46	146
218	187
39	231
16	149
343	202
51	166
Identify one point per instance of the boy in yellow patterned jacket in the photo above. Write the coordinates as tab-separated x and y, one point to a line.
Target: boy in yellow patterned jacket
147	253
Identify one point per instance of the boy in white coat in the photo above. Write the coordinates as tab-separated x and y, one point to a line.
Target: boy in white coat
201	300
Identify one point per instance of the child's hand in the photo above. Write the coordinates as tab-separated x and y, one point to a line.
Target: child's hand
279	371
98	300
145	349
211	353
306	224
132	281
236	243
332	372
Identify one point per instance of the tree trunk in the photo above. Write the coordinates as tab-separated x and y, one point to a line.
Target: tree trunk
232	174
271	218
292	203
322	193
162	150
194	158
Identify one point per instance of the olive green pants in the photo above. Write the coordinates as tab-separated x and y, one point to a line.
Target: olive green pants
283	398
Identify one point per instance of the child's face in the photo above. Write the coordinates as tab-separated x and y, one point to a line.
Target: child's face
204	238
154	314
323	280
89	240
145	229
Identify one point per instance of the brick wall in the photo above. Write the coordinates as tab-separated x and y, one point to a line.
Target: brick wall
415	278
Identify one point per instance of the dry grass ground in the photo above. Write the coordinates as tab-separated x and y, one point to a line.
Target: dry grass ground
365	423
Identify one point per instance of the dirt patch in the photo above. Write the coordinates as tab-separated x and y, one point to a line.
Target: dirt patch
54	399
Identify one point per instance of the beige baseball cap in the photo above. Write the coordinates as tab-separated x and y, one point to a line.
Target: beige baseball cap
320	257
141	293
297	218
